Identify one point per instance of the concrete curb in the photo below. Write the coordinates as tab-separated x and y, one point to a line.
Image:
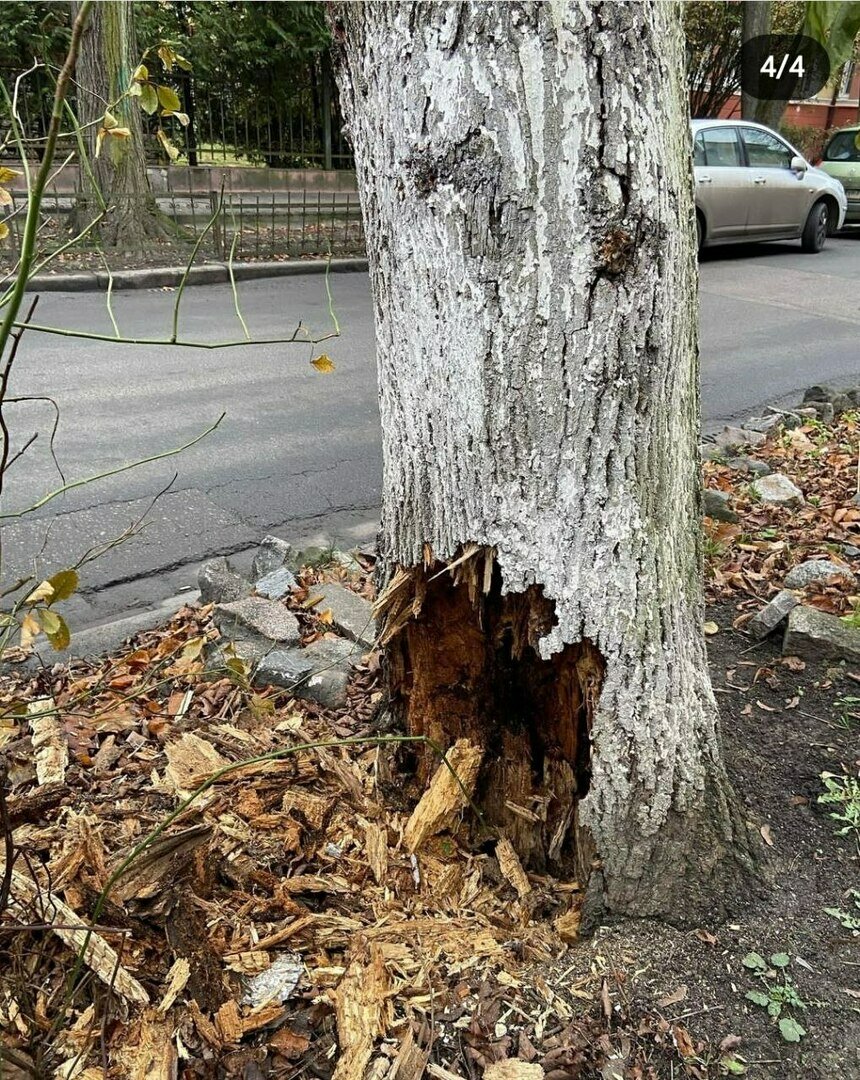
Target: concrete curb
207	274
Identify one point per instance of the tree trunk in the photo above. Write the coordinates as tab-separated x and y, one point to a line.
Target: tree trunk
756	23
525	174
107	61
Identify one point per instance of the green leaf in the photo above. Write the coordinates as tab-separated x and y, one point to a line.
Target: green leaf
754	961
61	637
780	960
50	620
774	1008
182	62
168	99
758	997
64	583
148	99
790	1030
732	1066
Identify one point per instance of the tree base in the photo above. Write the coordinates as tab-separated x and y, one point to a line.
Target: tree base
463	662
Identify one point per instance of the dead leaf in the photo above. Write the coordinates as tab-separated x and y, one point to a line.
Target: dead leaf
673	998
766	835
323	363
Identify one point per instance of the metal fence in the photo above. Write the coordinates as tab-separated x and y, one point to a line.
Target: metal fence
248	225
291	125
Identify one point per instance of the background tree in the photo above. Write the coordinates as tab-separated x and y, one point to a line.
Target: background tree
108	59
712	34
526	183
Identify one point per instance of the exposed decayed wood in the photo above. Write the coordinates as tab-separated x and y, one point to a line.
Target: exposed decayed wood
360	1009
449	792
513	1070
99	956
50	748
467	666
512	868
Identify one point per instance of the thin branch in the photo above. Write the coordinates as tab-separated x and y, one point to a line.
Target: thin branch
87	335
184	279
54	428
112	472
233	283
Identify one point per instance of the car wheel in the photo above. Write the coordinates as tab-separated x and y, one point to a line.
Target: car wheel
815	229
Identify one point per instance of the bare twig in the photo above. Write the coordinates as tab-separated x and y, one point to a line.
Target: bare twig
112	472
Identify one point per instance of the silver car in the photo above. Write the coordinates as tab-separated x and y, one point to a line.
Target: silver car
753	185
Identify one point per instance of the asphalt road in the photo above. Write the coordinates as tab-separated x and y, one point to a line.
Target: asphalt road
298	452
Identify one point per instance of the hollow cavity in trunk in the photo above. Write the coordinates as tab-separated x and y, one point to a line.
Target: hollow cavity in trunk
468	666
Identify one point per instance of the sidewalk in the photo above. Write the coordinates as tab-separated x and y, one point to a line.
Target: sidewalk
206	274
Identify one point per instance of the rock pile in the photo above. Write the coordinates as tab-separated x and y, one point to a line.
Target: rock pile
257	620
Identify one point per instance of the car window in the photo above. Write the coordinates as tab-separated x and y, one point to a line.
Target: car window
720	147
699	150
766	151
844	146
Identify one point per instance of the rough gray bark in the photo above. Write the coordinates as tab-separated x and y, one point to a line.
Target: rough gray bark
108	58
525	173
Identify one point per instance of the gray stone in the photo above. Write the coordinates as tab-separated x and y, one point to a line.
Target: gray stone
824	411
853	396
351	613
277	585
331	662
842	404
715	504
772	615
749	465
283	667
711	452
851	551
777	490
805	573
219	583
763	423
271	555
347	561
730	437
265	618
819	392
815	635
810	413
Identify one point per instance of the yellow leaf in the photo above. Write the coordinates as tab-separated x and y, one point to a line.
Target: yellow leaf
29	630
64	583
4	230
326	617
100	137
109	121
43	591
5	197
166	55
193	648
119	133
711	628
169	148
141	73
180	116
323	363
7	174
